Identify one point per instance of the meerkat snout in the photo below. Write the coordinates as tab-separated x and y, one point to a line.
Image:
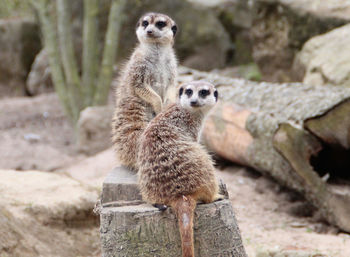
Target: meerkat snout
197	95
156	28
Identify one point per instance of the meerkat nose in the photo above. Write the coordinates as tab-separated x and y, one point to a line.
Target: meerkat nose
149	32
194	103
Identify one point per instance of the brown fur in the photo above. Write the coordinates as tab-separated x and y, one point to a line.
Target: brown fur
144	86
174	169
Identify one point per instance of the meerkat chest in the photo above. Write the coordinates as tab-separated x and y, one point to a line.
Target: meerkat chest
163	74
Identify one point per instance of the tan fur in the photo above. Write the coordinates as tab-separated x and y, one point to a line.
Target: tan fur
174	168
144	86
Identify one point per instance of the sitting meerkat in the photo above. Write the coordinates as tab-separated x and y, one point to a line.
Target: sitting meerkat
146	84
174	168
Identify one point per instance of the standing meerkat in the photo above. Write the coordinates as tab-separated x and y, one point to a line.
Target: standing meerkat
146	84
174	168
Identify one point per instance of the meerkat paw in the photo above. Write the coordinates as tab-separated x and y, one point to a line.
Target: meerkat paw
160	207
223	190
158	108
219	197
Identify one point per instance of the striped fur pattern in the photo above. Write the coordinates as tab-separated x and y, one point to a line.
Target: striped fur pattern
146	84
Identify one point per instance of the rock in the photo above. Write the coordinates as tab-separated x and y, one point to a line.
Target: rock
43	156
12	240
20	42
248	71
44	196
236	16
39	78
281	27
92	170
94	129
318	63
46	214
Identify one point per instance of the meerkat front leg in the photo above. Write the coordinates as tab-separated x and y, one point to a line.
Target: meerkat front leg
150	96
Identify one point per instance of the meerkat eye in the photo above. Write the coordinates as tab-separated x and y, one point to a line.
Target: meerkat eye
160	24
145	24
174	29
203	93
181	91
189	92
216	95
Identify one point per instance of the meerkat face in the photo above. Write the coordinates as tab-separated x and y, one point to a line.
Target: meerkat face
156	28
198	96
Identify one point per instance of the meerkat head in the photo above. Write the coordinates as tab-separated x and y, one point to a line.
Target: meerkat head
198	96
156	28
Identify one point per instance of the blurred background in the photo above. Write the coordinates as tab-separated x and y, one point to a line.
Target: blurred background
57	63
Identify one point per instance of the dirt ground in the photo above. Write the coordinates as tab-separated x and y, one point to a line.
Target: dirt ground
34	134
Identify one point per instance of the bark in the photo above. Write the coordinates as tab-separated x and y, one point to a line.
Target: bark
284	130
109	52
90	50
130	227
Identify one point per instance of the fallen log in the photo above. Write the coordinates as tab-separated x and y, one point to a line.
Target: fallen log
298	134
130	227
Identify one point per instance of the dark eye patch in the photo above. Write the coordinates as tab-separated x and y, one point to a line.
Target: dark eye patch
189	92
174	29
203	93
145	24
160	24
216	95
181	91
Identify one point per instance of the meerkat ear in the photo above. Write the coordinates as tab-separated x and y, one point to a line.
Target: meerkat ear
181	91
174	29
216	95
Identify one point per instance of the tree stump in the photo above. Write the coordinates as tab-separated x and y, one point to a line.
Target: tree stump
299	134
130	227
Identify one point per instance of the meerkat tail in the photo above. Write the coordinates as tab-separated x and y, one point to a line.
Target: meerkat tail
184	209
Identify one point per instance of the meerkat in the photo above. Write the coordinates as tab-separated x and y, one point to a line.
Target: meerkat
146	84
174	168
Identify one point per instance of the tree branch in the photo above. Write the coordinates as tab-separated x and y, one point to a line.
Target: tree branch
50	42
68	58
90	50
109	52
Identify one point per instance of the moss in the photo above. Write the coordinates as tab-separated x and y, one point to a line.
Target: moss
250	71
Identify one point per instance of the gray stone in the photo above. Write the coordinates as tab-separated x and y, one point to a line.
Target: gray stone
237	17
46	214
325	59
281	27
44	196
20	42
94	129
39	79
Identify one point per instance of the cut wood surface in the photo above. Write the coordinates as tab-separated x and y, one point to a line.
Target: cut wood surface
133	228
278	128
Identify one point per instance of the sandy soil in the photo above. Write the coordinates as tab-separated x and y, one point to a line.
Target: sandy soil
271	218
35	134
